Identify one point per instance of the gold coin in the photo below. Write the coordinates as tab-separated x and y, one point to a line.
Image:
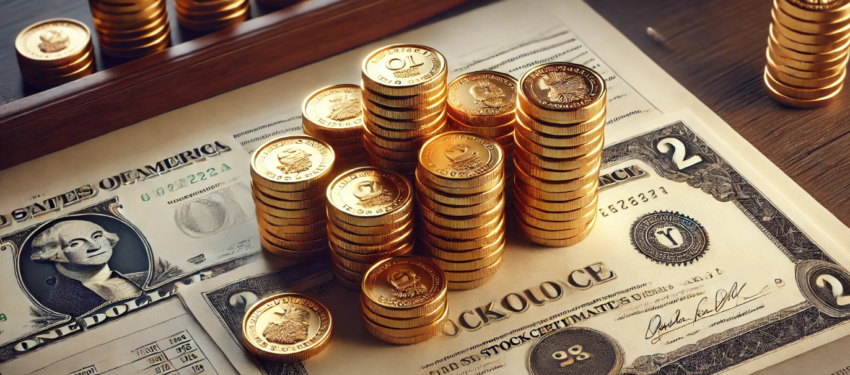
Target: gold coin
556	234
807	57
536	193
805	74
556	225
784	41
431	328
483	98
130	43
232	19
460	200
798	103
410	113
296	255
399	340
806	26
802	93
290	195
461	159
145	13
309	245
127	53
292	163
547	174
424	99
474	275
488	131
790	80
48	81
555	186
395	144
280	230
347	274
118	8
375	239
807	38
288	204
337	143
558	152
466	210
547	215
816	11
463	245
347	284
403	323
467	285
209	13
559	164
401	240
53	42
803	65
555	206
456	190
407	134
462	222
288	214
369	196
461	234
403	70
375	229
280	221
288	328
562	93
564	241
132	30
559	130
405	249
560	141
284	233
469	265
208	6
404	287
411	156
465	255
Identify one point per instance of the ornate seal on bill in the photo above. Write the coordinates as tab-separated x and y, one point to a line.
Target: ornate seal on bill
575	351
825	285
669	238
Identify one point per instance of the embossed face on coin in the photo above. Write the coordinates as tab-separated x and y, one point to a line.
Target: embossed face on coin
562	86
336	106
460	155
404	282
369	192
483	94
286	325
404	65
53	39
292	159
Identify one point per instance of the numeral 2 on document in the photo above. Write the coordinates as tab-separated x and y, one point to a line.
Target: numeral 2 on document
679	153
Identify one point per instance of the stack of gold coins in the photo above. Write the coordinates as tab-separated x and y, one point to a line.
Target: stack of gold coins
461	201
334	114
54	52
288	176
370	218
206	15
559	138
286	328
807	51
278	3
404	300
131	28
485	103
404	92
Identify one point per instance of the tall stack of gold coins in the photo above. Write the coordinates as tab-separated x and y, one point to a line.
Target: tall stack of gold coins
205	15
370	218
485	103
54	52
404	300
286	328
460	185
334	114
404	92
559	136
807	52
289	175
131	28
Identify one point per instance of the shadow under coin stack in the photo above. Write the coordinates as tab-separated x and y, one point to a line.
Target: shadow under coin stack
370	218
404	97
131	28
559	135
485	103
54	52
807	52
404	300
288	176
461	202
334	114
205	15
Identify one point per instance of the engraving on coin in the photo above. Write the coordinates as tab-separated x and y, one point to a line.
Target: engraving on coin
288	324
406	284
482	94
371	194
344	107
564	87
669	238
53	40
825	285
463	158
402	65
293	160
487	94
574	351
293	327
369	191
337	107
460	155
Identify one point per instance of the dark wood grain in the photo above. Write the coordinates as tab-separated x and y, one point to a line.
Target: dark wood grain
716	49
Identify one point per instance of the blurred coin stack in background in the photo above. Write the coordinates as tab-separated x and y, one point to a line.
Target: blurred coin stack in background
485	103
559	138
334	114
404	101
278	3
807	52
404	300
207	15
370	218
288	178
131	28
54	52
460	185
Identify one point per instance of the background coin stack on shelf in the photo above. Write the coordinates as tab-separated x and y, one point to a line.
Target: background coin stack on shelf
461	202
131	28
404	300
54	52
404	101
200	15
334	114
807	52
485	103
289	175
370	218
559	135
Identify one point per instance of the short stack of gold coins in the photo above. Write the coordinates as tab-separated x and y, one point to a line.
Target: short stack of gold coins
334	114
131	28
54	52
370	218
485	103
206	15
288	179
404	101
404	300
807	52
460	185
559	138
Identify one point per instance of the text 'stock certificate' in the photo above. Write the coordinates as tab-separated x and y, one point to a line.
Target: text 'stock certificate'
691	269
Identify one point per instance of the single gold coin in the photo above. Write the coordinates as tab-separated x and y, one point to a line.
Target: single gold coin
462	211
558	152
484	98
410	156
816	11
790	80
803	93
798	103
397	144
474	275
53	42
403	70
296	255
404	287
387	236
463	245
559	164
403	323
461	191
562	93
424	99
564	241
807	26
493	131
556	225
536	193
402	167
555	186
803	47
405	249
461	159
461	234
805	56
374	229
460	200
292	163
521	207
345	283
465	255
431	328
288	328
281	221
368	196
406	134
805	74
467	285
462	222
402	239
469	265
